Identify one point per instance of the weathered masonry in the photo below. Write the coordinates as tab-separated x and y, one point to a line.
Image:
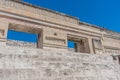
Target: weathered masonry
54	29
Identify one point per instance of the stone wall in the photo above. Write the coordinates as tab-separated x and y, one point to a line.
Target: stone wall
111	41
17	63
37	10
112	51
21	44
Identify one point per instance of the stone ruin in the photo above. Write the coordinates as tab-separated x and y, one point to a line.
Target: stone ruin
96	55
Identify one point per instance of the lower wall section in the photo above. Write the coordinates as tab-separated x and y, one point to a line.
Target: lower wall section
18	63
21	43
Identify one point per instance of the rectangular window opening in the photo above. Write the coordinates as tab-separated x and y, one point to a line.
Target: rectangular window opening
23	39
78	45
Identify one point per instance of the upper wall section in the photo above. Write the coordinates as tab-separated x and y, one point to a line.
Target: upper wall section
41	14
111	34
111	40
28	10
33	12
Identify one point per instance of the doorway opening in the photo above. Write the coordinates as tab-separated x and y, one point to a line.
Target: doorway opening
78	45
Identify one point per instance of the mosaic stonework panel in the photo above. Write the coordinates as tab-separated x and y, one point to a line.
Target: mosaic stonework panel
62	41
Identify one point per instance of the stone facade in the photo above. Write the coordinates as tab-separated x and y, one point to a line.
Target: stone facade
20	63
26	61
55	29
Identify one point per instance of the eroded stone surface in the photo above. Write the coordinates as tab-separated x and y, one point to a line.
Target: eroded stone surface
21	43
17	63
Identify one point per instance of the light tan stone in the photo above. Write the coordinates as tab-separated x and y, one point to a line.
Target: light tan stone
54	29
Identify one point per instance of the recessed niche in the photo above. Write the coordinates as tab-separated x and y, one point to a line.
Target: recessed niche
55	34
1	32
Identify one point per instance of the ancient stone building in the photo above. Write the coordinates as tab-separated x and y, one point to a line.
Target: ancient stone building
55	29
98	49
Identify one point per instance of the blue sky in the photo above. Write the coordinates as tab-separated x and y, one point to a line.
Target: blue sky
104	13
21	36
